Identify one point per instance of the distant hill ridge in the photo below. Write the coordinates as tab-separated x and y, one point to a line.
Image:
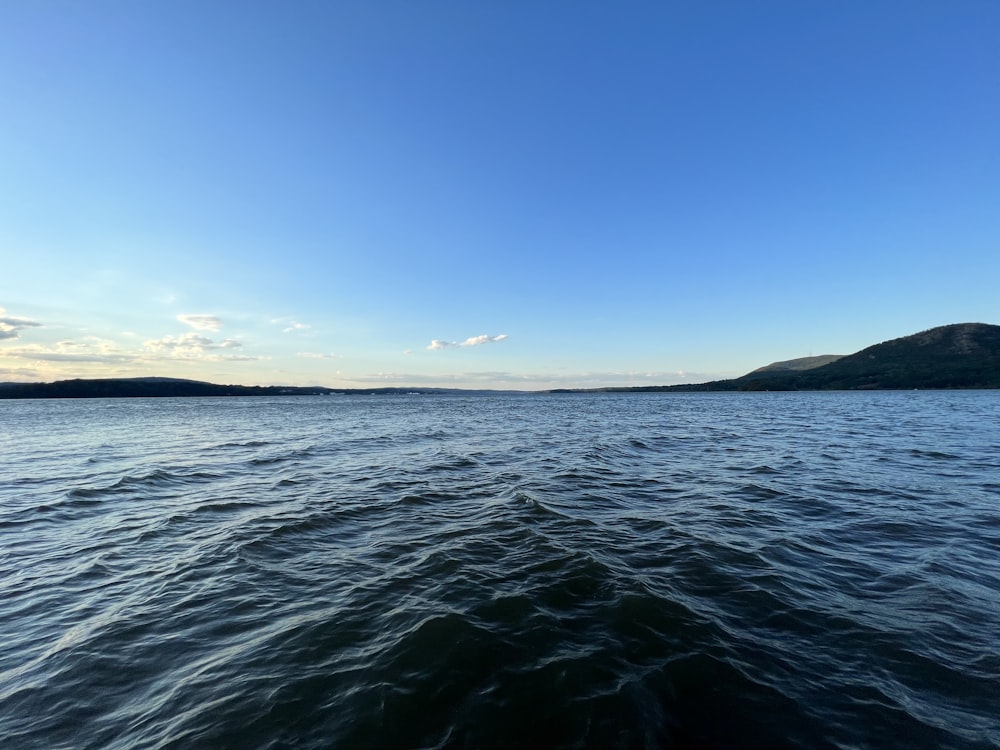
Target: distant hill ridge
159	387
150	387
802	363
962	355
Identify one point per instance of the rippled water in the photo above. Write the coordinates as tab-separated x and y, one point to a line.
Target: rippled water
600	571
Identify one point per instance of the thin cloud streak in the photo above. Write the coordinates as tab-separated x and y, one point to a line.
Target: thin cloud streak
42	355
10	325
94	350
201	322
536	381
290	325
438	344
189	345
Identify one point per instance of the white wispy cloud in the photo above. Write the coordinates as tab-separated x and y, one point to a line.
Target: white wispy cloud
93	356
20	374
192	346
90	349
318	355
536	380
10	325
482	339
289	324
188	342
201	322
438	344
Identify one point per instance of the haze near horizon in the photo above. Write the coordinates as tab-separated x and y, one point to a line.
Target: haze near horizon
490	195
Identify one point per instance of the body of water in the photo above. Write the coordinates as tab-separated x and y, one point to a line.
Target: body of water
562	571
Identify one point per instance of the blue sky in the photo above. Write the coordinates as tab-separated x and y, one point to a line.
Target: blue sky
490	194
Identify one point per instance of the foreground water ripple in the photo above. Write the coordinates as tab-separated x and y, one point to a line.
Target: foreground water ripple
630	571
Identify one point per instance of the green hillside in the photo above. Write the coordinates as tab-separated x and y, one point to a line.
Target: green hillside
964	355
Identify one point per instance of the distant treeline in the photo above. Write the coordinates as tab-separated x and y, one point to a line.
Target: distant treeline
143	388
175	388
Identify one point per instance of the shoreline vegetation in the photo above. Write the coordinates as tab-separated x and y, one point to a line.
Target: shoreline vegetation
958	356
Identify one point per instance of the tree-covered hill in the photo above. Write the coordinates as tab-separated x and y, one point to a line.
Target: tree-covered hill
963	355
143	388
179	388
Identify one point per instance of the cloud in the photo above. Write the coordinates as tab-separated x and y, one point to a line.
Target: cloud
318	355
438	344
92	349
105	353
186	342
237	358
10	326
201	322
290	325
193	346
52	356
533	381
20	375
482	339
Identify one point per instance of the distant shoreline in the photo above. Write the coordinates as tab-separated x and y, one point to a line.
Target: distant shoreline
962	356
106	388
177	388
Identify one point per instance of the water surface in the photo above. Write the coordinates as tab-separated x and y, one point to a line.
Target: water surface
579	571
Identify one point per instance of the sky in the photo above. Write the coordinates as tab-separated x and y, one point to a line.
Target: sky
490	194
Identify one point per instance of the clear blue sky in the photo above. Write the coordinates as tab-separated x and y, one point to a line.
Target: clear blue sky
495	194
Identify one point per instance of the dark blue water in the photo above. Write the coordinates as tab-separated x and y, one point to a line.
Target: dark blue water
593	571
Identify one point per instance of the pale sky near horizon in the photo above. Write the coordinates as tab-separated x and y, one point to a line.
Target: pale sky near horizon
490	194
